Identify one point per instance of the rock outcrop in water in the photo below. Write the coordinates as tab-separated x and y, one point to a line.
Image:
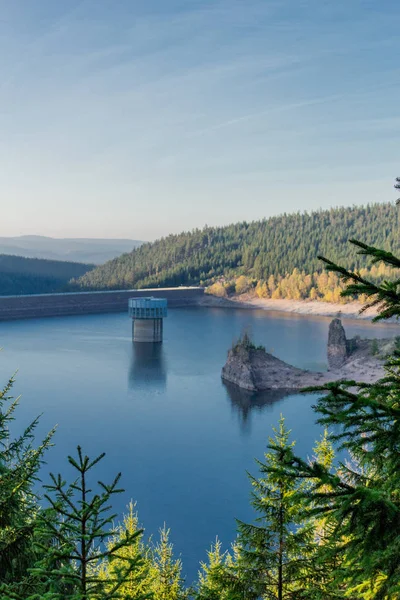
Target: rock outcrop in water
337	345
252	368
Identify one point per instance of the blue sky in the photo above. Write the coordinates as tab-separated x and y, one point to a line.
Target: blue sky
131	118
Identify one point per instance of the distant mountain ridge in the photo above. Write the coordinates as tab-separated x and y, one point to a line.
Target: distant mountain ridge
84	250
274	246
20	275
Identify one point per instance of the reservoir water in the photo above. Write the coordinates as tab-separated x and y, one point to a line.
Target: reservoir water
181	438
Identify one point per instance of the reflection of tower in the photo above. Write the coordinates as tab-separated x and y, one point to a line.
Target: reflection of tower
244	402
148	367
147	318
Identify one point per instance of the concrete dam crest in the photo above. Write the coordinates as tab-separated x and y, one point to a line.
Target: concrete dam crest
83	303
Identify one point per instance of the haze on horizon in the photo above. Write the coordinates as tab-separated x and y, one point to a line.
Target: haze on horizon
138	118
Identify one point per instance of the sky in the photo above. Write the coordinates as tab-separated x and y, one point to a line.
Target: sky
139	118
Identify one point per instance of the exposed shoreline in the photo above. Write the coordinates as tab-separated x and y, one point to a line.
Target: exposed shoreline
302	307
254	369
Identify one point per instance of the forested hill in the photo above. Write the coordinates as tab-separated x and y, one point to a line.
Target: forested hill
273	246
20	275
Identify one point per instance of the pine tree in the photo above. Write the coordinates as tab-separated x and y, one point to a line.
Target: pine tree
139	581
275	553
215	574
397	187
80	524
167	582
19	510
323	580
226	577
361	501
324	455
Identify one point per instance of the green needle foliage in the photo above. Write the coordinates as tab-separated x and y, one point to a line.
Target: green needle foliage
360	502
214	574
275	553
80	524
167	582
386	296
324	582
139	581
19	509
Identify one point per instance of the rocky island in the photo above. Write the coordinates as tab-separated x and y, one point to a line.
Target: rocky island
252	368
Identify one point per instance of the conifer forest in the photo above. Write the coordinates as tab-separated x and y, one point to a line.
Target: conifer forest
324	528
276	257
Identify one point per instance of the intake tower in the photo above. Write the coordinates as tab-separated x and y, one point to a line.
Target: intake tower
147	315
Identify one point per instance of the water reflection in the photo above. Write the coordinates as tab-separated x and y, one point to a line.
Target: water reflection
245	402
148	366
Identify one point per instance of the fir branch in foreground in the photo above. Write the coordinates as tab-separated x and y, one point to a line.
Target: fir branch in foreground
384	297
361	500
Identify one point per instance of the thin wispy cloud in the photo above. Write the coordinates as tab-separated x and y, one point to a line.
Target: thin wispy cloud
197	109
273	110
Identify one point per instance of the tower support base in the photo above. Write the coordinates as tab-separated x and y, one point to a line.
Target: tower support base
147	330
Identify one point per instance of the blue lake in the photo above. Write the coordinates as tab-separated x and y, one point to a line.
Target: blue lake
181	438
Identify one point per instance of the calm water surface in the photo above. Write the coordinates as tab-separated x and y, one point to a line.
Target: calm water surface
181	438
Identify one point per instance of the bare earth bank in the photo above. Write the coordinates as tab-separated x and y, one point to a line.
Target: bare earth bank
304	307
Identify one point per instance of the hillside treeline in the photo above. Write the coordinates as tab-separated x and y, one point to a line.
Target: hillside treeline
19	275
274	246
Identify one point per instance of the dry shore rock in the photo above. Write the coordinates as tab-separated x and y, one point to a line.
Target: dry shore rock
252	368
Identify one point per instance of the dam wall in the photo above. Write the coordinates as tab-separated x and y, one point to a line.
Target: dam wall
83	303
